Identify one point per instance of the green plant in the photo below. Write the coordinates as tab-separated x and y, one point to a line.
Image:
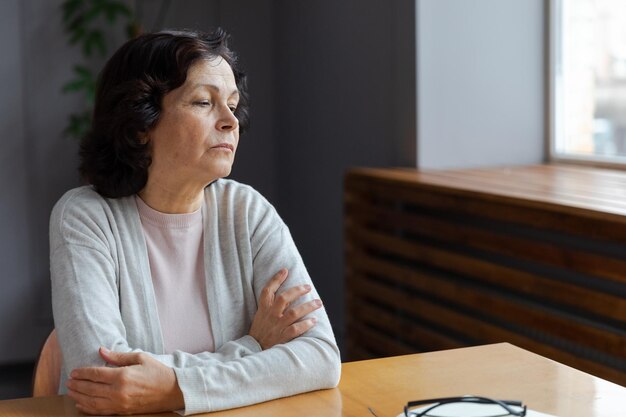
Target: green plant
90	24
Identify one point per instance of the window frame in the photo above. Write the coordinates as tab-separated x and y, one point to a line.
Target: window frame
555	89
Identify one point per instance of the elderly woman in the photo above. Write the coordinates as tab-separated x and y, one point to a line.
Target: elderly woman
172	287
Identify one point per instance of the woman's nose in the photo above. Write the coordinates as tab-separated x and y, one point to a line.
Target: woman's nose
227	121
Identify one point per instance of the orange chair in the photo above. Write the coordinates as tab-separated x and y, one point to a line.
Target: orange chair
48	368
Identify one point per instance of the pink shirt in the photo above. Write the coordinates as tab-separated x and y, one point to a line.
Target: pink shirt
175	251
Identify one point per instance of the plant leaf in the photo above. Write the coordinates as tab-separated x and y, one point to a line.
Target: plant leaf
94	39
83	71
96	9
73	85
76	23
70	8
99	42
90	94
77	35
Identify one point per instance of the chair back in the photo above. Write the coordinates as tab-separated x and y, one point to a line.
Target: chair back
48	369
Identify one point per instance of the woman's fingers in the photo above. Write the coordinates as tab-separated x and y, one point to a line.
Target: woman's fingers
92	389
101	374
278	319
296	313
88	404
121	358
151	382
298	329
282	301
268	293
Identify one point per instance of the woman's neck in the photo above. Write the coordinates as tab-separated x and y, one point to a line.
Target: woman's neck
172	200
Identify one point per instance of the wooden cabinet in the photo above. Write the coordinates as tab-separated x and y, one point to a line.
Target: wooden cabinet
533	255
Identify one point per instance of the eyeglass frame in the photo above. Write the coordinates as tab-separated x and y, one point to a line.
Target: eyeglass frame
469	399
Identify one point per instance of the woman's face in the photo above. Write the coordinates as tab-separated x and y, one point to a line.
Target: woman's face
195	139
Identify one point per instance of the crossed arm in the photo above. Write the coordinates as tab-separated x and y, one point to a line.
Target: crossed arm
140	383
268	343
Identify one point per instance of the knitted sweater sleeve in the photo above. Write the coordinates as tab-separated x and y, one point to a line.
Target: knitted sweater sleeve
306	363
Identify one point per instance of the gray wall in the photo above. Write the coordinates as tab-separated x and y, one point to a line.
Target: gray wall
251	24
333	86
37	165
481	82
345	97
15	280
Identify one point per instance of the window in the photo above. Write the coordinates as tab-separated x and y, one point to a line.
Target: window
588	80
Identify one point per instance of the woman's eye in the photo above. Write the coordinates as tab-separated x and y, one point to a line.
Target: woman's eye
232	108
203	103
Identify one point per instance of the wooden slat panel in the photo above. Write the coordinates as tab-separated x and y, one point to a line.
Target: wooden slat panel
481	330
473	237
358	353
596	302
378	342
529	255
512	310
409	332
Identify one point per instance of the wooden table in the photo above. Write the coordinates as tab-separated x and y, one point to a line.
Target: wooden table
500	371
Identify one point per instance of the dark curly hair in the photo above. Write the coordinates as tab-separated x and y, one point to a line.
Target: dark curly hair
130	90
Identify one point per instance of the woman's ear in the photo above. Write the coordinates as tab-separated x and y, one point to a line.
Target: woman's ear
144	138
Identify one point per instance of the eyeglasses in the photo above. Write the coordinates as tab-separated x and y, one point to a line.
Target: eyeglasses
468	406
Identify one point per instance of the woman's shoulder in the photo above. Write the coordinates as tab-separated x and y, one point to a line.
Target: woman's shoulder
77	199
84	217
83	193
242	202
81	205
233	192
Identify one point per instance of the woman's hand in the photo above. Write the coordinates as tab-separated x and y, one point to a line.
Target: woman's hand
275	322
141	384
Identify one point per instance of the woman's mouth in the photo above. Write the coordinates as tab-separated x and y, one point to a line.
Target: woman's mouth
224	146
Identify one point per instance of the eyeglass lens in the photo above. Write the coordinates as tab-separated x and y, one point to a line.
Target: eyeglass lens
463	410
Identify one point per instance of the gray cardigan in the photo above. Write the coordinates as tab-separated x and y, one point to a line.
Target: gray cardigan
102	295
